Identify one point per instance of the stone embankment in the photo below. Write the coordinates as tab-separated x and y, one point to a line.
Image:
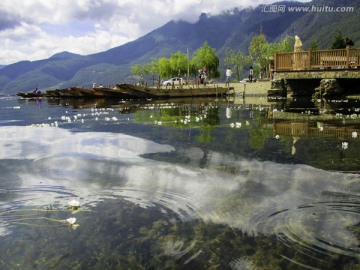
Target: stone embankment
248	89
252	89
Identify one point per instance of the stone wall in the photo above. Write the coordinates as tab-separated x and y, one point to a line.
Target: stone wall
319	74
316	84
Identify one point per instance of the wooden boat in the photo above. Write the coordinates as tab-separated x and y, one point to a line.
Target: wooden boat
129	91
114	93
74	92
30	95
147	92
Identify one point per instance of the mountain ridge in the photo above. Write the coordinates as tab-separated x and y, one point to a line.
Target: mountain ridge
231	29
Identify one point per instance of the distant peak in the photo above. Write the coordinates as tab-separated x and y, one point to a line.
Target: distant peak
64	55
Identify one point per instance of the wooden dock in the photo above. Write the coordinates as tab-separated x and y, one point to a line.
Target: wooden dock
320	73
317	60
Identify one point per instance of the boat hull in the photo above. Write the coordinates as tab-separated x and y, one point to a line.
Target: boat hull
147	92
129	91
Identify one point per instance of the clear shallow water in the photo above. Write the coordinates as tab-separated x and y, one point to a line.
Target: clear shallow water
175	186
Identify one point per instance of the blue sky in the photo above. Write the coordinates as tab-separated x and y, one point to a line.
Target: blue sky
37	29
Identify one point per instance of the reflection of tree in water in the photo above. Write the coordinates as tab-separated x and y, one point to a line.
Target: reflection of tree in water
256	126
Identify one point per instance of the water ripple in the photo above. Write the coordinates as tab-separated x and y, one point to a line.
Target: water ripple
327	227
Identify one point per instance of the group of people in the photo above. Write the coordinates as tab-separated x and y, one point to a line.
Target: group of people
202	76
228	75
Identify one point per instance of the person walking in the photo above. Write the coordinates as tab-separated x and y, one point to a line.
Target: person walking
228	74
251	73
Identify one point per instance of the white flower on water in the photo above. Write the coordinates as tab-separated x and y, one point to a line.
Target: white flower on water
277	137
238	124
74	204
232	125
344	145
71	220
354	134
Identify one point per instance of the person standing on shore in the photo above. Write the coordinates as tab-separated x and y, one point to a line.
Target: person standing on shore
198	78
251	73
204	75
228	74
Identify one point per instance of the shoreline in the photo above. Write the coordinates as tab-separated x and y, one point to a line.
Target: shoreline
247	89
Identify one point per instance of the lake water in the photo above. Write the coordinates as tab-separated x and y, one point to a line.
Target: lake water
182	184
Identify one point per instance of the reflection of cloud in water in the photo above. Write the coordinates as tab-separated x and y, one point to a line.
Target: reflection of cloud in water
246	194
33	143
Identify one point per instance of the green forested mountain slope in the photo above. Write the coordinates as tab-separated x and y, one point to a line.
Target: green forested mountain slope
232	29
322	26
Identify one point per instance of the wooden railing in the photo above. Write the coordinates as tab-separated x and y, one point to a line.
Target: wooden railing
305	130
324	59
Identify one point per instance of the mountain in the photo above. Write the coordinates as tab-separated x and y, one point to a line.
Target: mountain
232	29
64	55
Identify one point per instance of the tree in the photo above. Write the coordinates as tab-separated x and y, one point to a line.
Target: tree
314	45
136	70
141	70
178	64
164	67
154	70
284	45
339	41
206	57
237	61
261	53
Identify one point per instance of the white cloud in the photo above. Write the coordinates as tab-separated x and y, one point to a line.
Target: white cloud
41	28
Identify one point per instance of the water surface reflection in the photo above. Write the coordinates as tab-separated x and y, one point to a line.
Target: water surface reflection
189	195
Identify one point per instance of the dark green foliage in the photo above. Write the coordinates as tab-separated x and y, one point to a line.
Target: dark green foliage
339	41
